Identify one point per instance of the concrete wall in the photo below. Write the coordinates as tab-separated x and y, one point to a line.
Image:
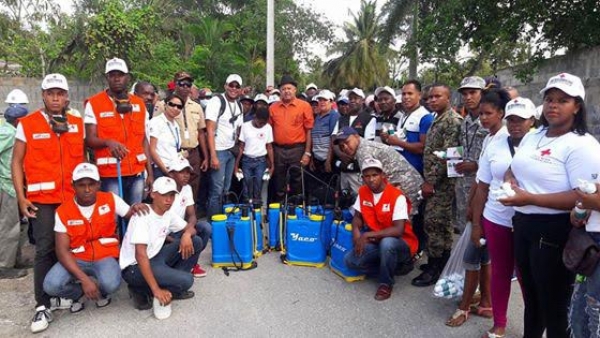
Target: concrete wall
78	91
585	64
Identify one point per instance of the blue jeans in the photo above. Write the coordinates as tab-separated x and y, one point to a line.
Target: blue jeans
203	230
382	258
584	313
170	270
133	187
60	283
220	181
253	169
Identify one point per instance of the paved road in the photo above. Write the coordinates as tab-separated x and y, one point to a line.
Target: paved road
273	300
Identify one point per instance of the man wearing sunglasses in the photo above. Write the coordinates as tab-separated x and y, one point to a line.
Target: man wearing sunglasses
223	120
115	128
192	128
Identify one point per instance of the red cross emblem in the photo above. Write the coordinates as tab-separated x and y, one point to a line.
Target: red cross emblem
545	152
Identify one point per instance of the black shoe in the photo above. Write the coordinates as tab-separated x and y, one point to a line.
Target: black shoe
184	295
7	273
404	269
427	277
141	301
424	267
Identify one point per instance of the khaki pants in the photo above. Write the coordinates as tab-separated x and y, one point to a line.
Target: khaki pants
10	228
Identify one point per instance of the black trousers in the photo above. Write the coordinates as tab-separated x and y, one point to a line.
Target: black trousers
547	284
45	256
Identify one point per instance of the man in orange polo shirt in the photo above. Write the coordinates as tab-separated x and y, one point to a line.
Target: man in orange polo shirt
382	234
292	120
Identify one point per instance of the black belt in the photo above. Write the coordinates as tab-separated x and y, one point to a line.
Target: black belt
188	149
290	146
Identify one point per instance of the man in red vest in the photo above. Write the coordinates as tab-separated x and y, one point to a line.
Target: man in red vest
383	238
115	128
86	242
48	146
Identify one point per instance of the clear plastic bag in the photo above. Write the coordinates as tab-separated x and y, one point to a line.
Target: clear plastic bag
452	280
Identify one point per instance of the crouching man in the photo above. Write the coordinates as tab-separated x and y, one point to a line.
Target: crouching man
86	242
383	238
150	266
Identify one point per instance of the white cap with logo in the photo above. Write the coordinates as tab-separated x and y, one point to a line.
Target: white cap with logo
568	83
234	78
55	81
261	97
179	164
357	92
520	107
325	94
371	163
164	185
386	89
312	86
86	170
116	64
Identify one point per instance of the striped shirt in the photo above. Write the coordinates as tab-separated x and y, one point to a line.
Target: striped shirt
321	134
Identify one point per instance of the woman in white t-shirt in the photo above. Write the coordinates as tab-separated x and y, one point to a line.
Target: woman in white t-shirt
496	218
165	142
543	174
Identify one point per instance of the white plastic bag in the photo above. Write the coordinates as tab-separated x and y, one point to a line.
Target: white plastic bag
452	280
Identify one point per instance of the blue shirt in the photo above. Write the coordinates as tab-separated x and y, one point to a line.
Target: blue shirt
415	125
321	133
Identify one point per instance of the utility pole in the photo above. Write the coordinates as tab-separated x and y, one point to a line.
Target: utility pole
270	42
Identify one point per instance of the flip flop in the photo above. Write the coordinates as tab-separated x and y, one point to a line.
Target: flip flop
458	318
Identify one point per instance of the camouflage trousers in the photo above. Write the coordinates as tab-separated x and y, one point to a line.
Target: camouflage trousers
438	220
461	188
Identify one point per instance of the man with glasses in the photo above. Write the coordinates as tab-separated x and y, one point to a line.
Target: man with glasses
115	128
192	128
223	120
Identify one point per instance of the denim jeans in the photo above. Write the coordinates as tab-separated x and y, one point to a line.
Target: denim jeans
203	230
60	283
170	270
584	313
220	181
253	169
133	187
382	258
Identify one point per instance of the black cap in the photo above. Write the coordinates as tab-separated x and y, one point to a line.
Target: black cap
344	134
288	79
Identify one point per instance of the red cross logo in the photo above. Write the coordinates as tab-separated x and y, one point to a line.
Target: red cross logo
562	75
545	152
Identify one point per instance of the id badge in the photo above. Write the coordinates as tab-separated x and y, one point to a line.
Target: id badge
186	134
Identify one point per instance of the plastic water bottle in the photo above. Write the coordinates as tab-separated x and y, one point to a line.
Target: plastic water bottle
482	241
586	187
440	154
266	175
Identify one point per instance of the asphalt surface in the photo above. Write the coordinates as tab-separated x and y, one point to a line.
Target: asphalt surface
272	300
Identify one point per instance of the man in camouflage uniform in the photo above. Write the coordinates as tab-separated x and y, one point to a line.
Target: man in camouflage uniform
399	172
471	139
438	189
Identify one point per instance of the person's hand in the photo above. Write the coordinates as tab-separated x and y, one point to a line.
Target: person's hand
427	190
384	137
148	182
204	165
311	165
521	198
271	170
466	167
476	234
140	209
117	149
236	169
27	208
186	247
589	201
305	160
361	243
214	163
328	168
90	289
163	296
578	222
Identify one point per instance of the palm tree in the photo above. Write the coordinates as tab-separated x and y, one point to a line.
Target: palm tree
363	61
402	20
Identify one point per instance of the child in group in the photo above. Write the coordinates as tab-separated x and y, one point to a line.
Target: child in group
256	154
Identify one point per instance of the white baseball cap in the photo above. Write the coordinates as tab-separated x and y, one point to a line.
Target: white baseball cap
371	163
17	96
164	185
86	170
55	81
568	83
385	89
312	86
261	97
369	99
273	99
116	64
473	82
179	164
520	107
325	94
356	91
234	78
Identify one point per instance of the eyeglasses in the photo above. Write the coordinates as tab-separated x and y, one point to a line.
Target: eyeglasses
184	84
175	105
234	86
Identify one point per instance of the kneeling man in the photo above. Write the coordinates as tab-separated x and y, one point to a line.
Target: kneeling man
382	234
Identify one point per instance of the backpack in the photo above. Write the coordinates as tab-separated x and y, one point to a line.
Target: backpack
235	149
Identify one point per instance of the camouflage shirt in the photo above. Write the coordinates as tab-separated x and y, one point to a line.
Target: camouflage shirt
398	170
443	134
472	135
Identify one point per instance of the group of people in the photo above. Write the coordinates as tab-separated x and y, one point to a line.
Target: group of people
91	228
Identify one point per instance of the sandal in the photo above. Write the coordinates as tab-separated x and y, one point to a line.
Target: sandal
383	292
458	318
485	312
489	334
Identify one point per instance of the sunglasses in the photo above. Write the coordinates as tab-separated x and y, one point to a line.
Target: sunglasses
175	105
184	84
234	86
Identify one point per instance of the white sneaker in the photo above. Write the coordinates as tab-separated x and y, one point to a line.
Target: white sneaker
41	319
161	311
58	303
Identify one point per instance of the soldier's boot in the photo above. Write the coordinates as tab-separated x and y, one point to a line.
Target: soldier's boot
431	274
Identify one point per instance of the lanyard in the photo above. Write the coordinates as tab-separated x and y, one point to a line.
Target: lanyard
175	134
